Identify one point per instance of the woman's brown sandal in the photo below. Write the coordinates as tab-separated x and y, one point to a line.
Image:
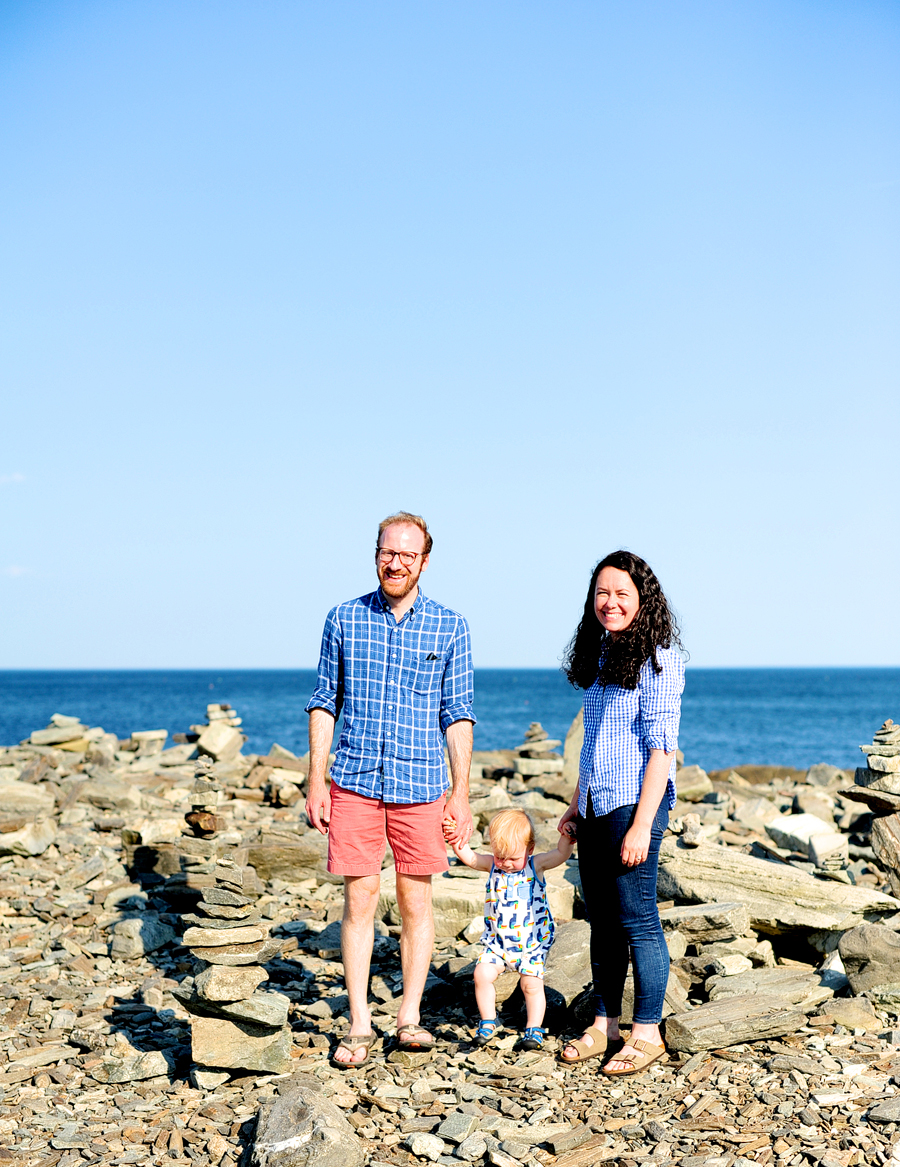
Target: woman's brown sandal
647	1053
585	1051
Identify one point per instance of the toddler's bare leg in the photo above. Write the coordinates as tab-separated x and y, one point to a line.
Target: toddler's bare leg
485	995
535	1001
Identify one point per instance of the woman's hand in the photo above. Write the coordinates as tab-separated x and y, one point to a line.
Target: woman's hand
635	845
570	815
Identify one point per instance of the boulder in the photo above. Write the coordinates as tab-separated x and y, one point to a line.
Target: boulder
852	1013
871	957
136	1067
794	831
32	839
692	784
779	897
755	813
824	775
25	798
220	742
138	935
568	967
110	794
302	1128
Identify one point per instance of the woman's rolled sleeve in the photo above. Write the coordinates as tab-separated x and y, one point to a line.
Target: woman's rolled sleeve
660	701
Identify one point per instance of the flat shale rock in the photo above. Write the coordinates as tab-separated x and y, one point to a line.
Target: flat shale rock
732	1021
707	923
220	983
303	1129
779	897
793	986
234	954
240	1045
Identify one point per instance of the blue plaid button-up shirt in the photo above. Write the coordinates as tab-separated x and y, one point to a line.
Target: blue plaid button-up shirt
400	685
622	726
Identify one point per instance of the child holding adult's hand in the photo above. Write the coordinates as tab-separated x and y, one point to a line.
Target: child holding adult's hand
518	927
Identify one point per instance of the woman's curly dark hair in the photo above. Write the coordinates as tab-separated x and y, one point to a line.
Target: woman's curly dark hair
653	627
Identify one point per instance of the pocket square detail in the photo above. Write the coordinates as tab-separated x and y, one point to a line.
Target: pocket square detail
431	656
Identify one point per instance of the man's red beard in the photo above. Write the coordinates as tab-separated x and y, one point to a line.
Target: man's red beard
398	588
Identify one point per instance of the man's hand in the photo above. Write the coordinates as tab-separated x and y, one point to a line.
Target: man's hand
458	825
318	806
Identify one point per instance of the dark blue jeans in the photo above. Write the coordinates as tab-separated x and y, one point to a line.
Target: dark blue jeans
621	906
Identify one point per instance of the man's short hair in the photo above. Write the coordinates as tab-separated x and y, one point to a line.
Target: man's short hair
411	520
509	830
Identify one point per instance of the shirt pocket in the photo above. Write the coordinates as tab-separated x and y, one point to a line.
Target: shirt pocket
421	675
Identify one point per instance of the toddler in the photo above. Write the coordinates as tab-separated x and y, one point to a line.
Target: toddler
518	927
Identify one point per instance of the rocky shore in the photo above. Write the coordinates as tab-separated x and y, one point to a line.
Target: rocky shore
171	985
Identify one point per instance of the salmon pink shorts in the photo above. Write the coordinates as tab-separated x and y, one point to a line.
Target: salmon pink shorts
361	827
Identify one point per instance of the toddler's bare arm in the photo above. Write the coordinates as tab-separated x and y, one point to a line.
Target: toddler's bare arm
563	851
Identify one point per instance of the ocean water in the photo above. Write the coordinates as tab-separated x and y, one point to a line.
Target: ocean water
787	717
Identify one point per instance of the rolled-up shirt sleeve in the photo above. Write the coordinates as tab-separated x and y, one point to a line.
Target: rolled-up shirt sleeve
660	701
458	688
329	691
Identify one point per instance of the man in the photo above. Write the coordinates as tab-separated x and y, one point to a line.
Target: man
400	668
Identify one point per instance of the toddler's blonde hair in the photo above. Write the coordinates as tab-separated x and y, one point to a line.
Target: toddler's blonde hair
509	830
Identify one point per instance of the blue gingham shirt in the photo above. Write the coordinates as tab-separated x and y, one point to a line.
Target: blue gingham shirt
622	726
400	686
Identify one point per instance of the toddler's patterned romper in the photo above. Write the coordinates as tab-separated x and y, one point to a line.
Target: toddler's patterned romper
518	927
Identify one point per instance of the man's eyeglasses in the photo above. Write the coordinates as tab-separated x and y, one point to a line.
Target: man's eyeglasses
407	558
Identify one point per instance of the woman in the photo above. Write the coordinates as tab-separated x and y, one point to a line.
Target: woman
625	656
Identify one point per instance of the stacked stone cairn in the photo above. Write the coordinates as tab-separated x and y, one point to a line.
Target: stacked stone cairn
536	755
220	738
234	1024
878	784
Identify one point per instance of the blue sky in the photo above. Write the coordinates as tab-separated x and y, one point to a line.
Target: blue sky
561	277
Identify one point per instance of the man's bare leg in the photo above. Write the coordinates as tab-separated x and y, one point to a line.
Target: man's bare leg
416	942
357	937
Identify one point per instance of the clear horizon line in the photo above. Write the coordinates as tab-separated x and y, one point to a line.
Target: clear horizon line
312	668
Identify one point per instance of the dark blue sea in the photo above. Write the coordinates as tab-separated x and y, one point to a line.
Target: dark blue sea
786	717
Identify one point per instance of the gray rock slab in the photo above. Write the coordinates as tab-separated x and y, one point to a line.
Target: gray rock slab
220	983
216	937
707	923
230	1044
568	966
235	954
732	1021
110	794
25	798
135	937
302	1128
779	897
793	986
